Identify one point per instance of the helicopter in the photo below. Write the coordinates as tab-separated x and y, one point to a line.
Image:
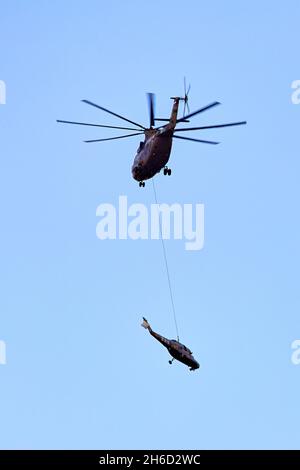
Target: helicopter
154	151
176	349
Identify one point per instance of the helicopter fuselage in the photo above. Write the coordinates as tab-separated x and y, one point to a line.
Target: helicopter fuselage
154	152
177	350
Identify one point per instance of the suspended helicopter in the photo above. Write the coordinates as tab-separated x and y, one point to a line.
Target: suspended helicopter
177	350
154	151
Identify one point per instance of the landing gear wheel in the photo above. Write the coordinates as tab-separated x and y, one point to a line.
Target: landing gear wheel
169	171
165	171
142	184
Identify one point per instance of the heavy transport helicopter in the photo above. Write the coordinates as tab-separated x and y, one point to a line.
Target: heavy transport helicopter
177	350
154	151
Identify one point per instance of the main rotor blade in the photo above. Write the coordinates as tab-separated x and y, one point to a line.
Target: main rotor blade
168	120
113	138
211	127
151	98
111	112
97	125
205	108
195	140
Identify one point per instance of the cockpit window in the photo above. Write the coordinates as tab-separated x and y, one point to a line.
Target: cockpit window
141	146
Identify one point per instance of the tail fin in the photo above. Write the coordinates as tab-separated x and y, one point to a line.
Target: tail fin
145	324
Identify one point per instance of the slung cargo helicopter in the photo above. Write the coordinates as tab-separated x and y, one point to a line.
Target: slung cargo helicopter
177	350
154	152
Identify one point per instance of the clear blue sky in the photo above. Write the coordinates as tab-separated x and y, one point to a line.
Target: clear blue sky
81	372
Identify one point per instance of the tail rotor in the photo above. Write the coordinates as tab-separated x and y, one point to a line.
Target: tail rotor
186	97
